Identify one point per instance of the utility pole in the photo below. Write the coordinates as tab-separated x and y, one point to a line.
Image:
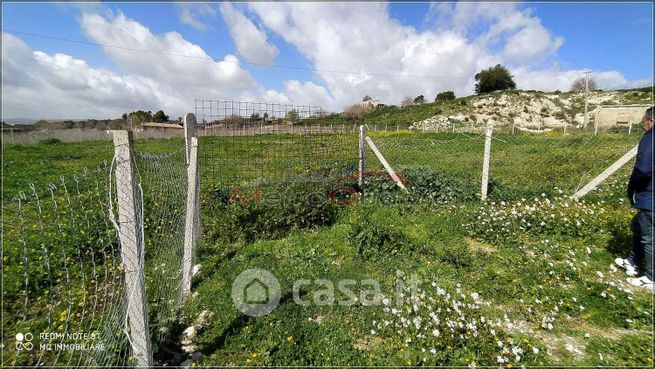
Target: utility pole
586	98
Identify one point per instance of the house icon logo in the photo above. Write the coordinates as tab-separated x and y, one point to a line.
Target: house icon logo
256	292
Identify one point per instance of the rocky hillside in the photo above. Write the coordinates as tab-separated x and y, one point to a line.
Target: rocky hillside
528	110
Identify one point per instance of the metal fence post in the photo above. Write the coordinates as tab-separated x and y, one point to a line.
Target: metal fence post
132	249
485	163
190	230
362	156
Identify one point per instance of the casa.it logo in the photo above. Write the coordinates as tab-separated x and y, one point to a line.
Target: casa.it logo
24	341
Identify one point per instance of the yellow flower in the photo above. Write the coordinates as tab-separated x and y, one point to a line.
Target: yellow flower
289	338
254	354
248	360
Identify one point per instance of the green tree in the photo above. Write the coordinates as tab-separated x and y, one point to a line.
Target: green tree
420	99
445	96
160	117
367	98
494	79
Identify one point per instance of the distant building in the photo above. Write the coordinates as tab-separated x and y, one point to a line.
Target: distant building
373	103
151	126
611	115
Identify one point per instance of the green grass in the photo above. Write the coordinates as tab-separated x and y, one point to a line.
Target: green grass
526	276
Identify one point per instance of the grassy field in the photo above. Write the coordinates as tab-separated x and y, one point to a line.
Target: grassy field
524	279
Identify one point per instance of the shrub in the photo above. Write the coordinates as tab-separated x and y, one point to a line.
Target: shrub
378	241
445	96
357	111
425	186
50	141
269	213
496	78
407	101
420	99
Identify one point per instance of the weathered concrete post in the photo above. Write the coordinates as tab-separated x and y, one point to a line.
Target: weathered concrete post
485	163
190	229
132	248
362	156
189	131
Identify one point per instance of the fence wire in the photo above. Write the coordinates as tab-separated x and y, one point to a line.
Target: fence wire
163	178
529	164
522	164
278	156
64	293
74	262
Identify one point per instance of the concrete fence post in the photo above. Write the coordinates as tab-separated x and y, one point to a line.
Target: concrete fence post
189	131
485	163
362	156
130	227
606	173
192	219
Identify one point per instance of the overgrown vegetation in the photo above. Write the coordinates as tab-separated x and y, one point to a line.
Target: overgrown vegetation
524	279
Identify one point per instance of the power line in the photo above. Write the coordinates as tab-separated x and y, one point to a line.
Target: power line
161	52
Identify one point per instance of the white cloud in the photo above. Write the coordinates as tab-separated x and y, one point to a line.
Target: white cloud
385	55
531	44
250	41
175	60
274	97
190	14
39	85
298	93
58	86
363	38
555	79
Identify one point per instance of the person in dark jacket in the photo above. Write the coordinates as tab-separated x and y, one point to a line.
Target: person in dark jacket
640	192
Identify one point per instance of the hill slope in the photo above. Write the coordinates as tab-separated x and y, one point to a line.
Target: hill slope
525	109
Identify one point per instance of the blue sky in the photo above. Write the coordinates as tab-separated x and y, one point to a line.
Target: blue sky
545	45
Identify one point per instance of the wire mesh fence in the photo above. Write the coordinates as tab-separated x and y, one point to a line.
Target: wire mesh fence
256	160
92	264
64	293
75	262
522	164
163	178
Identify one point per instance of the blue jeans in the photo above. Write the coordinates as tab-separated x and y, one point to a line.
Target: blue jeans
642	241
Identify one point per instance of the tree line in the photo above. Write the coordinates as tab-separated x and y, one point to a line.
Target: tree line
130	120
